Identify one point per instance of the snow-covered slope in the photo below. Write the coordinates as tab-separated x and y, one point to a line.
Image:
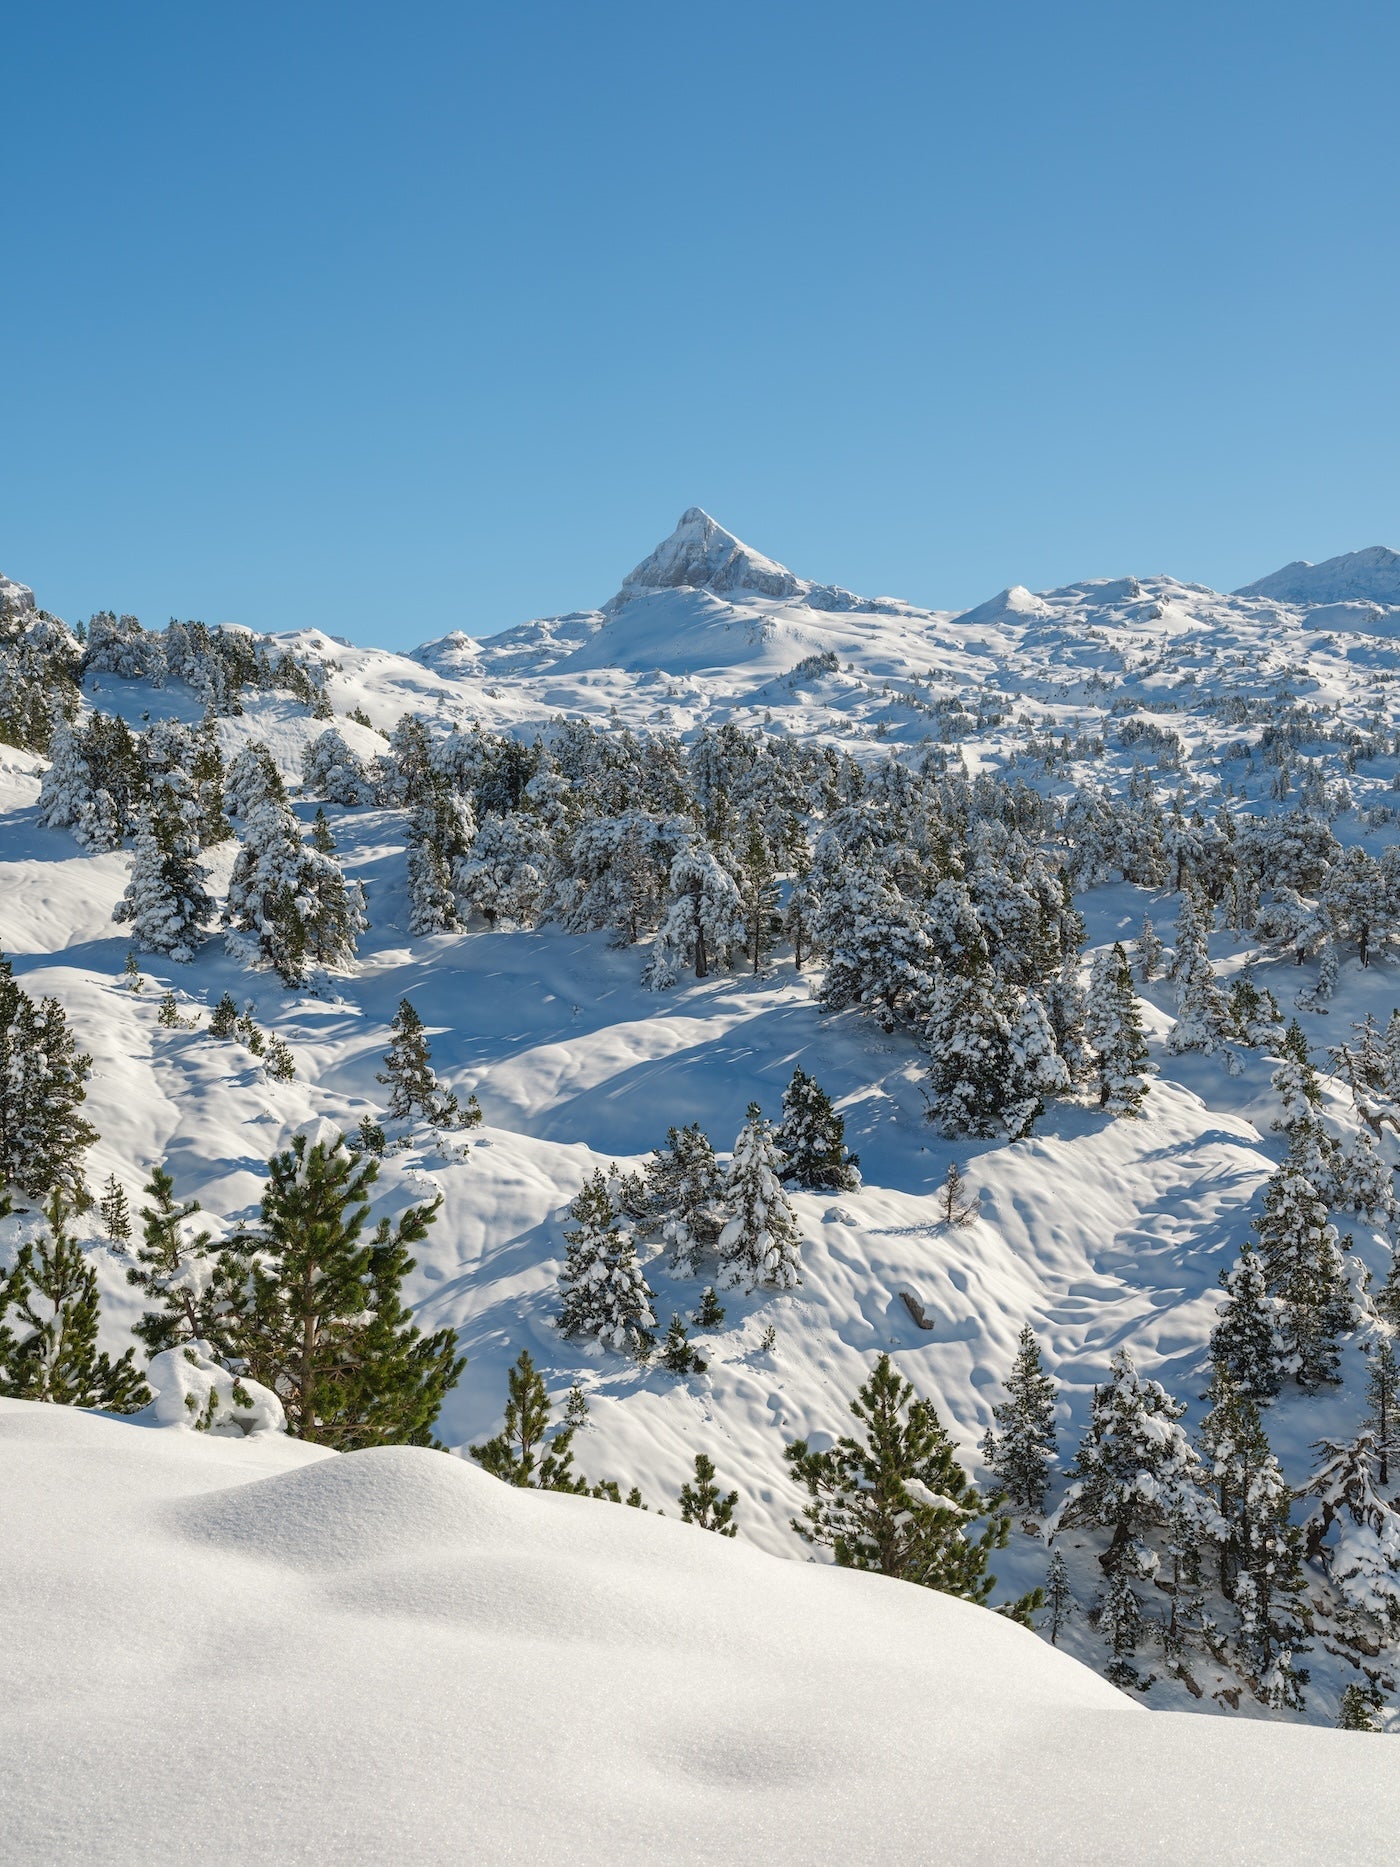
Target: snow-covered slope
252	1651
1369	576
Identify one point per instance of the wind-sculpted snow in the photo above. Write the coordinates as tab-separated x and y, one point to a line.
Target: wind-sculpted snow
250	1650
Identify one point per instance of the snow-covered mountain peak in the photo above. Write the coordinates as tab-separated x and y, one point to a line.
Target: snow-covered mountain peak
700	554
1371	575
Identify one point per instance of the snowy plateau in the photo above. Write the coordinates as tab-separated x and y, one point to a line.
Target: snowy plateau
245	1644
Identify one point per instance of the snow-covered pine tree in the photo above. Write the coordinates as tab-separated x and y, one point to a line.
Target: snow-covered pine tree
758	892
1303	1268
1255	1019
115	1211
322	835
1114	1031
1357	901
289	902
408	1074
43	1084
897	1501
1244	1342
316	1312
605	1292
49	1321
812	1139
504	873
166	899
1359	1707
252	778
709	1313
1019	1449
703	922
760	1242
1383	1405
1120	1623
1295	1082
1147	952
684	1197
992	1056
704	1504
223	1020
1132	1463
800	917
440	831
330	769
1059	1596
176	1271
1363	1559
1202	1014
520	1454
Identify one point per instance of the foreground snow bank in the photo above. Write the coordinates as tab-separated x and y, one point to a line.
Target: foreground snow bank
248	1649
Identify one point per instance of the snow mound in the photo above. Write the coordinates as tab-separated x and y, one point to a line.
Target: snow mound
1372	575
252	1649
1014	604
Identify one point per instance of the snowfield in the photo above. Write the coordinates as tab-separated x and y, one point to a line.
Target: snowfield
253	1650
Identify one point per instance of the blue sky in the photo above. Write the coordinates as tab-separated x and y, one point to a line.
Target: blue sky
396	320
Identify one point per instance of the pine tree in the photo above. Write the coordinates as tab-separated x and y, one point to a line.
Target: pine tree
677	1355
115	1211
1120	1623
800	917
758	893
1295	1082
408	1075
50	1349
992	1057
1383	1404
1132	1461
280	1064
1359	1706
760	1243
252	779
370	1137
710	1312
684	1195
704	921
1059	1597
1244	1342
175	1271
520	1454
322	836
43	1084
605	1293
1260	1567
1020	1448
704	1504
166	900
441	827
812	1139
168	1012
288	904
224	1019
1202	1015
131	972
317	1312
1147	951
1303	1269
1114	1031
576	1407
955	1206
897	1502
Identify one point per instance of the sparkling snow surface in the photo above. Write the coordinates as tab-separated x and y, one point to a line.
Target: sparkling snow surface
250	1651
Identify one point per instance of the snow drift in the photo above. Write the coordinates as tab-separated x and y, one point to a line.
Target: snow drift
250	1649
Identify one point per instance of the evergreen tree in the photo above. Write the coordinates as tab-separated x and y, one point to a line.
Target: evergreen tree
370	1137
1120	1623
812	1139
1132	1462
704	1504
224	1019
992	1058
317	1312
290	904
176	1272
50	1348
166	899
576	1407
131	972
252	779
684	1197
280	1064
1059	1597
677	1355
758	893
1383	1404
1303	1269
897	1501
800	917
1020	1448
704	921
115	1210
441	827
1244	1342
760	1243
1359	1706
955	1206
710	1313
1202	1015
408	1075
43	1084
520	1454
168	1012
1295	1082
1147	951
1114	1032
322	836
605	1293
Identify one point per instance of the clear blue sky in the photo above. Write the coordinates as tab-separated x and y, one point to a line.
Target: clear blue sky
401	319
